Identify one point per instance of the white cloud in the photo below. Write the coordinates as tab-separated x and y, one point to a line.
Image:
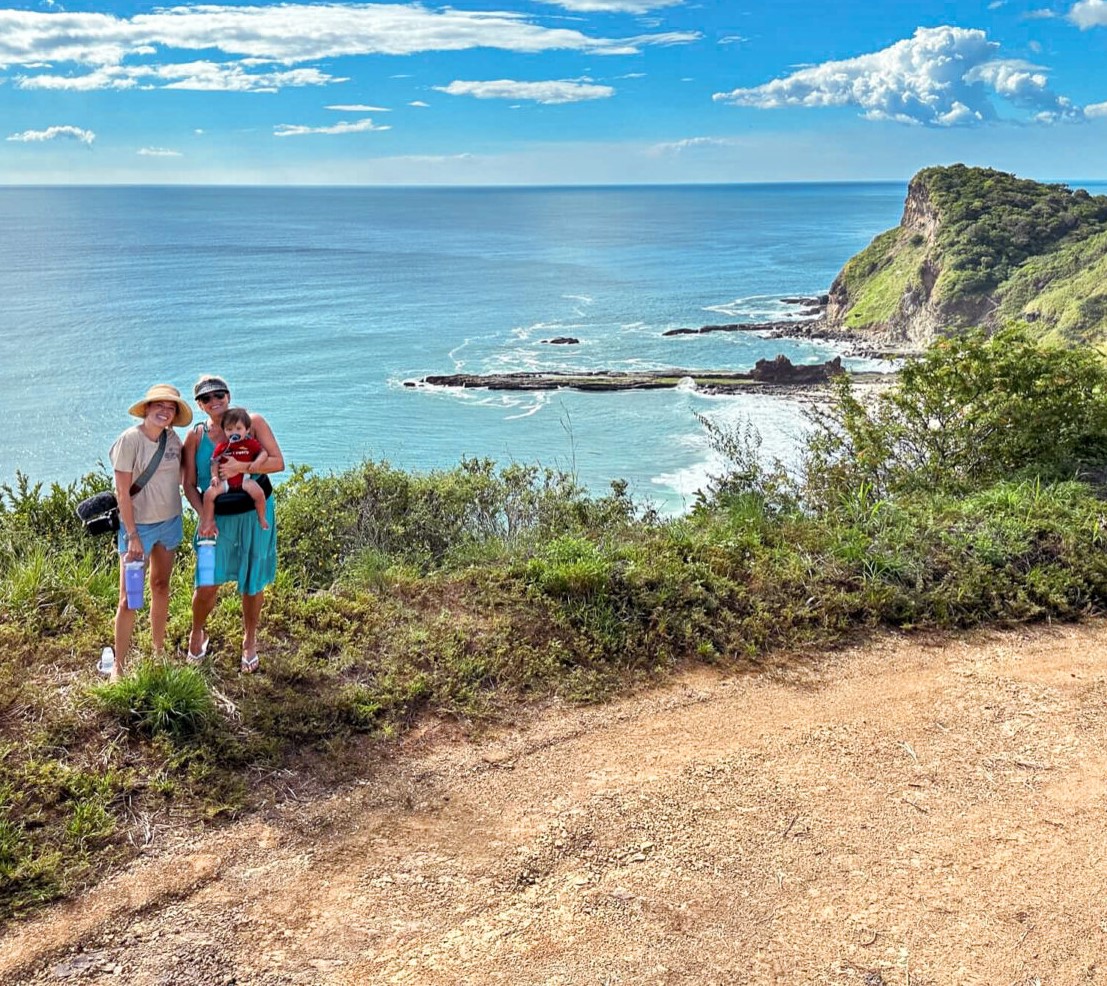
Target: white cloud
629	46
550	93
941	77
52	133
354	127
419	103
1094	110
688	144
433	158
996	4
158	152
614	6
1023	85
214	77
733	39
632	75
1041	14
1089	13
203	76
357	108
288	33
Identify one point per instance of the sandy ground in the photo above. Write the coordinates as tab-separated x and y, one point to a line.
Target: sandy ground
914	811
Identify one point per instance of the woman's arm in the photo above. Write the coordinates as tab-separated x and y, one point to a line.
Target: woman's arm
135	549
274	462
188	472
189	480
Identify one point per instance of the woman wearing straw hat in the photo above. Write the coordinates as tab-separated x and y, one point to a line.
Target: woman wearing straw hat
150	520
245	552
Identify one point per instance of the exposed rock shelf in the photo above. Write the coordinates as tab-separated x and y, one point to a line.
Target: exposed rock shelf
766	374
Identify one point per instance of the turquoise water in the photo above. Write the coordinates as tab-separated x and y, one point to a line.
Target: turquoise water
318	303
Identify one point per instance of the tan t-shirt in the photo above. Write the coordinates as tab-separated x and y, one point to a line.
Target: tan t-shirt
160	498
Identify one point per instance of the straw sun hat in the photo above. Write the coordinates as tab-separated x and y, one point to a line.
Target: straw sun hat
164	392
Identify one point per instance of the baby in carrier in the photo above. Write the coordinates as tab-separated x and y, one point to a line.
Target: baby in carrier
240	446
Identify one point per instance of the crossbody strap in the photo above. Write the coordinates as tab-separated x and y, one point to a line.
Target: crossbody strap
152	467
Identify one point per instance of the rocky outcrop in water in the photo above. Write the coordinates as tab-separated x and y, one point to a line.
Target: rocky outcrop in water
783	370
779	373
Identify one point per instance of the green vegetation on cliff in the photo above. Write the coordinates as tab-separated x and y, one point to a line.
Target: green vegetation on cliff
963	496
979	246
880	275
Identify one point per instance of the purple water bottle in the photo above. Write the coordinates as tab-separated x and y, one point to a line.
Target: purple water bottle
134	581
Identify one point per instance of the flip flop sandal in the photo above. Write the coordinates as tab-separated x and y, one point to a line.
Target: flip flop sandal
249	663
197	658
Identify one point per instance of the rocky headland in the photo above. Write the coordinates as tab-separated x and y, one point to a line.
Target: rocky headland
979	247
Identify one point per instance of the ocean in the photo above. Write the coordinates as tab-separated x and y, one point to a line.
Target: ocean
317	304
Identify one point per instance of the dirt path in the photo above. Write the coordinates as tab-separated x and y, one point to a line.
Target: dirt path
919	811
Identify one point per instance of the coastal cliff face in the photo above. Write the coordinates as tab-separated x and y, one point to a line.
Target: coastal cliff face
977	247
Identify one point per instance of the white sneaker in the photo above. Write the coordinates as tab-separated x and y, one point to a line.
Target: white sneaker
107	662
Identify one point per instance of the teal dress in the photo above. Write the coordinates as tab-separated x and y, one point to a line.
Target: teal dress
244	553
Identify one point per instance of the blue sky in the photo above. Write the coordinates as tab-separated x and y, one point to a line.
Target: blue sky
549	91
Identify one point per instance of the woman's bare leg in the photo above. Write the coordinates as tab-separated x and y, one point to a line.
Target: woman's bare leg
161	567
203	602
251	615
124	627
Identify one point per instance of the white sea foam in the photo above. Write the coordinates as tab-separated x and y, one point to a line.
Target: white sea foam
760	307
452	354
526	332
688	481
778	420
541	399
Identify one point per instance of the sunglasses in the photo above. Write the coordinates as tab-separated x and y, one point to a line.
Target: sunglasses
212	395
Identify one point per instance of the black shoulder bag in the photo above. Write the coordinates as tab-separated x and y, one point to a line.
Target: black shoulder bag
100	512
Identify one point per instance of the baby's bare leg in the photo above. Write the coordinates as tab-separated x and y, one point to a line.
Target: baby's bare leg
257	494
210	494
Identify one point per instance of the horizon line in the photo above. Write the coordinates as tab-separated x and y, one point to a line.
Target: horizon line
514	186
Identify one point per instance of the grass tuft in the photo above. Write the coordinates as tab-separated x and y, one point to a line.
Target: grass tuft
160	698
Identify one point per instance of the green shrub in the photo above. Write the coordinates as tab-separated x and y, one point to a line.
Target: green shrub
971	411
570	568
430	520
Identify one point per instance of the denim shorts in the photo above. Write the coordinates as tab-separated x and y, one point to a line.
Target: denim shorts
167	533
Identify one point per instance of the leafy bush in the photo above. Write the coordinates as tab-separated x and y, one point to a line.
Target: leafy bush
973	410
377	511
570	568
